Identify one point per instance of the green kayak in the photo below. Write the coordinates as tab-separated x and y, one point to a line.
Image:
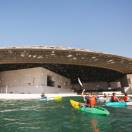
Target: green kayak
90	110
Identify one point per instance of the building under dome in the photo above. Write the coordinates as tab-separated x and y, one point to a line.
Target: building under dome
57	69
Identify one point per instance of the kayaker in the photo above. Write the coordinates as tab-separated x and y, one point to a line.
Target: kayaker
106	97
125	98
43	96
114	98
90	99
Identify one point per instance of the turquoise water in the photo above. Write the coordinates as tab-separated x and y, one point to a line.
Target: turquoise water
40	116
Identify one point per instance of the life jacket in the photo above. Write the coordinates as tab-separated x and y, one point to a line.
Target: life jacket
125	98
91	101
114	99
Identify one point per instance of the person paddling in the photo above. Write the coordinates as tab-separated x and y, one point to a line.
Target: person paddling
43	96
114	98
125	98
90	99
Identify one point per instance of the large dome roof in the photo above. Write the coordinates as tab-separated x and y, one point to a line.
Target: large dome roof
60	55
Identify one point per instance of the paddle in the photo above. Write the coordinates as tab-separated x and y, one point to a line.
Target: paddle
79	81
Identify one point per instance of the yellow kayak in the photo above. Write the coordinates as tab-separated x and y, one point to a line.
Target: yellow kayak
57	98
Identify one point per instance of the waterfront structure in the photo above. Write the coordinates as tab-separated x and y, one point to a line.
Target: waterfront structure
33	80
56	69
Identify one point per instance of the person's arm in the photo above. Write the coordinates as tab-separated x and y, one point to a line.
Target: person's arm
117	99
84	98
83	92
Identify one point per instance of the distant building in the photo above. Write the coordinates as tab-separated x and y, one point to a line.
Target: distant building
56	69
33	80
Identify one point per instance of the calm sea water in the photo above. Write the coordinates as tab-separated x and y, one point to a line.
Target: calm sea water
40	116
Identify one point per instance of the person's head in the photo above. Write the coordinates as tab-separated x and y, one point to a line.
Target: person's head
113	94
105	95
125	94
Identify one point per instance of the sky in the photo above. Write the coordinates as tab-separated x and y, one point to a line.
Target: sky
99	25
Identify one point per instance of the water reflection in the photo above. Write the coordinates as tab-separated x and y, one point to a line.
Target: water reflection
94	125
129	107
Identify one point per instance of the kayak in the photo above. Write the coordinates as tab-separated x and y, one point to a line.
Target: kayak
91	110
118	104
46	99
56	98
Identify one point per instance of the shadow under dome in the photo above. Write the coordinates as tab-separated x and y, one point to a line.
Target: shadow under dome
85	73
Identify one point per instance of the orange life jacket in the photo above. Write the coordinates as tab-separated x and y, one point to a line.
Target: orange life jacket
91	101
114	98
125	98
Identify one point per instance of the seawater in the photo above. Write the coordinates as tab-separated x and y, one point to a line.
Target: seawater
52	116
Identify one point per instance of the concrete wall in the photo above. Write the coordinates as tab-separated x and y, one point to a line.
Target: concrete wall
126	83
98	85
129	78
129	82
95	85
32	80
115	84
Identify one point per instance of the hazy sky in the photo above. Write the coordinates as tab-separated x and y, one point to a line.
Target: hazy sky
101	25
